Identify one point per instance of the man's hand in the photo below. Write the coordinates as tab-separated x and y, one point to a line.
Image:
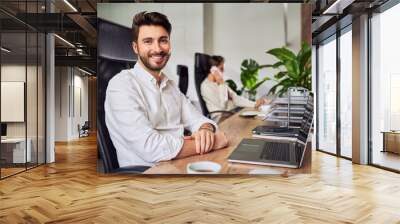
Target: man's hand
221	141
204	139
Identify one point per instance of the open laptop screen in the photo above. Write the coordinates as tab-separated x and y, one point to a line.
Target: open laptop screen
307	119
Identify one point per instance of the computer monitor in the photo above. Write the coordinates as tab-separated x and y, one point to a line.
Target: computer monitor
3	129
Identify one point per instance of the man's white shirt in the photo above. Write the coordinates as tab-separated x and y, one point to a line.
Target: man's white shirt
146	121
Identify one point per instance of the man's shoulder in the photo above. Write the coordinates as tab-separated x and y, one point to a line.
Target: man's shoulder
122	78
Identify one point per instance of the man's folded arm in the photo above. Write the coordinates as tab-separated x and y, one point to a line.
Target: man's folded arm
128	124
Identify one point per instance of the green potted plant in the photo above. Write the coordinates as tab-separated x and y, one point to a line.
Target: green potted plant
294	70
249	77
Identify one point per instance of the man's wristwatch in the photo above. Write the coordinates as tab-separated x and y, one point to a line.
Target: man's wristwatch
209	127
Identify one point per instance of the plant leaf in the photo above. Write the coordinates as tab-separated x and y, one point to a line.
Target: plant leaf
280	75
249	73
276	65
259	83
231	84
282	54
304	56
292	68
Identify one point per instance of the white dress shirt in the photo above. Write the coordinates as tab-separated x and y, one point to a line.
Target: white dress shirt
217	97
146	121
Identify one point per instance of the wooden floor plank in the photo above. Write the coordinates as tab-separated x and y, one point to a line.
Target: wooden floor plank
70	191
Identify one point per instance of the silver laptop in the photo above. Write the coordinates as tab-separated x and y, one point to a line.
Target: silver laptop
283	153
271	153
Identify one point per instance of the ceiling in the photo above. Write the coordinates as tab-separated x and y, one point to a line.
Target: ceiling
331	15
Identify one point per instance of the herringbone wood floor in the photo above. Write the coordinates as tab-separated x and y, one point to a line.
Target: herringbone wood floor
70	191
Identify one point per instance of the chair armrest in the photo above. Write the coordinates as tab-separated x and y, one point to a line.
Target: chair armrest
130	170
236	109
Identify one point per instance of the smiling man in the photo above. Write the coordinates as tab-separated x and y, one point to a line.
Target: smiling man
145	112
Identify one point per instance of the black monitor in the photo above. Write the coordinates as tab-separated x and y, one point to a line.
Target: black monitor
3	129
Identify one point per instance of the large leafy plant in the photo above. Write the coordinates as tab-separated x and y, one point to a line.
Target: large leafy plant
250	70
294	70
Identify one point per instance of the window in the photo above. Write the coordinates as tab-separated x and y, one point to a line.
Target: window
385	88
22	66
346	93
327	96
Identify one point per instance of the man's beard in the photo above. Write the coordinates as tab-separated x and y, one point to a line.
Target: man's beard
157	68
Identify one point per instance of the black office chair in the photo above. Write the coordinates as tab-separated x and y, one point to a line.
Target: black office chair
114	54
201	70
84	129
183	73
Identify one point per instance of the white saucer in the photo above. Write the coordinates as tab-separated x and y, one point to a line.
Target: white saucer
249	113
203	167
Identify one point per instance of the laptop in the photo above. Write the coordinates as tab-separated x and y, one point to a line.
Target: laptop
289	132
273	152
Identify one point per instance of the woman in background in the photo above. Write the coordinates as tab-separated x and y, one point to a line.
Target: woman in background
217	94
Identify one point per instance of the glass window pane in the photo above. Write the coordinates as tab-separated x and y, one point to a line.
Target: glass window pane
346	94
385	88
13	87
327	97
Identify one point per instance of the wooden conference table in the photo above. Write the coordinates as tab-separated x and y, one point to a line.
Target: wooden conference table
236	128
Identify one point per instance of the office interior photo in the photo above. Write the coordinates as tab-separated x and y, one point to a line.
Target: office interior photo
197	47
57	166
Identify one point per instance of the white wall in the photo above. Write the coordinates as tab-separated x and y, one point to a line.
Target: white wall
235	31
61	103
67	115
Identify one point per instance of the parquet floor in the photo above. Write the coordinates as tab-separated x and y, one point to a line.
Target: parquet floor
70	191
387	159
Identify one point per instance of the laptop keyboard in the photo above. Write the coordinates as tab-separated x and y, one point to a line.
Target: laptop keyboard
276	151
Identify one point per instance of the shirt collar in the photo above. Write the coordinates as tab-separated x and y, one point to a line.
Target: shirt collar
138	69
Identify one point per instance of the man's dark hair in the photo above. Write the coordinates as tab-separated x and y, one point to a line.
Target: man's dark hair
216	60
149	18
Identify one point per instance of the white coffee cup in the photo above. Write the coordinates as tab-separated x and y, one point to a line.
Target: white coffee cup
203	167
265	108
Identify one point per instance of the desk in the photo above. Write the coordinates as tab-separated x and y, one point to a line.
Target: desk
236	128
13	150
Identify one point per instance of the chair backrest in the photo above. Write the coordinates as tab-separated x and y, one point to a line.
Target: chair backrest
114	54
183	73
201	70
86	125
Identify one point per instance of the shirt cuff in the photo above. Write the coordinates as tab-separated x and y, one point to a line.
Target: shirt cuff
175	146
